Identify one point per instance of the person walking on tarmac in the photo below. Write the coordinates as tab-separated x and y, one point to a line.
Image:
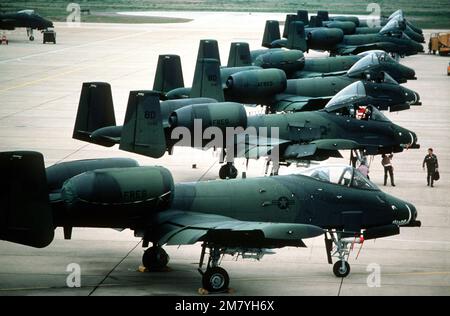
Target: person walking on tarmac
432	164
386	161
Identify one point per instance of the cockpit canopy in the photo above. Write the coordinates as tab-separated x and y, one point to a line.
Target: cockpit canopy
395	14
368	62
353	102
28	12
395	25
341	175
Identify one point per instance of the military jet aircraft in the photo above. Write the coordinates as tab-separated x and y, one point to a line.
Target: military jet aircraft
361	27
389	39
27	19
271	88
286	137
246	217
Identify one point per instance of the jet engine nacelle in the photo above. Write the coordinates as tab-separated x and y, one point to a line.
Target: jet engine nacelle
347	27
221	115
59	173
324	38
117	197
287	60
248	86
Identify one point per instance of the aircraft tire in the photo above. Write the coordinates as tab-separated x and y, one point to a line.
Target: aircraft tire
155	258
228	171
31	38
337	269
215	280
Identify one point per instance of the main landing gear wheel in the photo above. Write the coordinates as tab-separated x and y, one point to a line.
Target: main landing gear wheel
155	258
341	269
31	38
228	171
215	280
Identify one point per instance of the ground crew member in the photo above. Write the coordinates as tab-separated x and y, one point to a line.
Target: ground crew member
386	161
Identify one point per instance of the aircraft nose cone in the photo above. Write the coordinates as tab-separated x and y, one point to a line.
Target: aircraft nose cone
411	96
406	138
419	47
404	213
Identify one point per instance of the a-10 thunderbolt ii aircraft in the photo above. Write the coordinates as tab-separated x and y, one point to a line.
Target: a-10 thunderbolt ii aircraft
362	27
351	25
27	19
151	128
246	217
390	38
271	88
291	61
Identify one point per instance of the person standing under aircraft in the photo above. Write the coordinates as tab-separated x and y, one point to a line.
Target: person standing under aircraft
432	164
386	161
364	168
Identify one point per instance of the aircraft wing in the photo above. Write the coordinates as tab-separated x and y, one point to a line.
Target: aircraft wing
291	103
319	149
354	49
186	228
303	144
8	24
254	147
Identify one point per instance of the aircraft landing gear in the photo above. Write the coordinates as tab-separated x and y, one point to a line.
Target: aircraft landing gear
341	251
341	269
30	34
215	279
228	171
155	258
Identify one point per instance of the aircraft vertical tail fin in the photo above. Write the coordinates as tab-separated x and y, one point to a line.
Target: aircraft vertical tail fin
323	15
169	74
208	49
207	82
271	33
95	111
315	21
297	36
239	55
303	16
143	131
25	214
287	24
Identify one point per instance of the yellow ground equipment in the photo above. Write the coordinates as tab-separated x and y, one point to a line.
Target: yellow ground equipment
440	42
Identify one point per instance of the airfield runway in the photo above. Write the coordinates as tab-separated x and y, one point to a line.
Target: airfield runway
39	90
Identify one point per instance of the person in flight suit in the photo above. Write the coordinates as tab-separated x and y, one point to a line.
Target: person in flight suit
432	164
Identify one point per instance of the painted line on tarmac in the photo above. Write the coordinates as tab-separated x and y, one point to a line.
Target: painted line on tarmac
56	51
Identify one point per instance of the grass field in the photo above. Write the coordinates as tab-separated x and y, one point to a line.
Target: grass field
425	14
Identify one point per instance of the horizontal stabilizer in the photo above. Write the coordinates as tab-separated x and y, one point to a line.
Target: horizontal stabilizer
95	111
25	214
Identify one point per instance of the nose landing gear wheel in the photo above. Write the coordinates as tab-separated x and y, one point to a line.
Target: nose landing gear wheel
215	280
155	258
31	38
228	171
341	271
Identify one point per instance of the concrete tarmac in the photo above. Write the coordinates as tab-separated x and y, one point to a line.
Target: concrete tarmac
39	91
